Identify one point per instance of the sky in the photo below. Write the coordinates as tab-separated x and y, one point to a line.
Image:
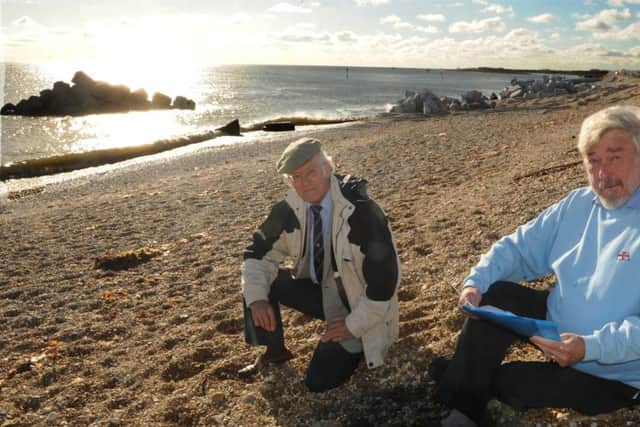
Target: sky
557	34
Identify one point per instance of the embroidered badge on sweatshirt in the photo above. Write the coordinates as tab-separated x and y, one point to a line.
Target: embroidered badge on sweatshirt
624	256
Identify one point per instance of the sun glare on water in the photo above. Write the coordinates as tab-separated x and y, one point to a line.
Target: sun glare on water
103	131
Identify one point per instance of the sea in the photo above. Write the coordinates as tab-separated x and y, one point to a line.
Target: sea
254	94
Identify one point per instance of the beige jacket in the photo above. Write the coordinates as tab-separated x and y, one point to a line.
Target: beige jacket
365	254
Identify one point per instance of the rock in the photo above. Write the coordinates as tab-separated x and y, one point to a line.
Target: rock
184	103
160	100
80	78
516	93
52	418
249	399
8	109
231	128
88	96
32	403
432	105
472	96
423	102
29	107
139	100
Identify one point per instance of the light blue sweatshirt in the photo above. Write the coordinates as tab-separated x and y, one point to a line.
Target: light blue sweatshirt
595	254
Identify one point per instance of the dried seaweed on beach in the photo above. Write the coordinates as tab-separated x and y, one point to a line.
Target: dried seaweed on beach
127	259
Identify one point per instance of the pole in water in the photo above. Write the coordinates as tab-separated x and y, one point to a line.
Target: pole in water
347	72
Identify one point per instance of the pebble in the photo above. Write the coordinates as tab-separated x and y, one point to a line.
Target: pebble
52	418
249	398
33	403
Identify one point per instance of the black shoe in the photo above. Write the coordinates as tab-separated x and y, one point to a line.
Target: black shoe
270	357
437	367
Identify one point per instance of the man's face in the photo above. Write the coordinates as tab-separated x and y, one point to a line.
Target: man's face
613	166
312	180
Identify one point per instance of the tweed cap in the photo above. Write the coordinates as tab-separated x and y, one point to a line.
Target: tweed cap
297	154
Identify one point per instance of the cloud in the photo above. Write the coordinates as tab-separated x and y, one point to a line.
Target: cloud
25	22
620	3
544	18
554	36
490	24
309	37
347	37
456	4
288	8
429	29
432	17
371	2
498	9
398	24
603	21
631	32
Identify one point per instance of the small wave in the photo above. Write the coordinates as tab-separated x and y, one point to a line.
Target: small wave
73	161
299	121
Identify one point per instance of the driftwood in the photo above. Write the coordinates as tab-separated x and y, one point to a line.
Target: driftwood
547	171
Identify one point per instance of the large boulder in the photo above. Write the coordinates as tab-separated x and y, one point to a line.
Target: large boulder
184	103
30	107
80	78
422	102
160	100
8	109
473	96
139	100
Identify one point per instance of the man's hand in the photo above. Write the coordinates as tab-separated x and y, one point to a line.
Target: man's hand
263	315
568	351
336	331
469	295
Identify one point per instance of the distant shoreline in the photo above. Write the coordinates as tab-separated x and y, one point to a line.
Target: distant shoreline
593	73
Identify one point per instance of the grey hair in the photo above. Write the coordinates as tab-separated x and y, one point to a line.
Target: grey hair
327	160
623	117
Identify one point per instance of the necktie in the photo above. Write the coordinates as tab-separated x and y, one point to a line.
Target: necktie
318	242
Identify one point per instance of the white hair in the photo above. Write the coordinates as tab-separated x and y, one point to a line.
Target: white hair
623	117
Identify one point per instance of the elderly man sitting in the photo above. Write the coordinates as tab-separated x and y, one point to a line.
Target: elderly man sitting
590	240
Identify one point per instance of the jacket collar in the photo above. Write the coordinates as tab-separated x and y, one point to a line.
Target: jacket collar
341	205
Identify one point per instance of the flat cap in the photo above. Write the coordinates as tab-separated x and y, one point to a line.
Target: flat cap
297	154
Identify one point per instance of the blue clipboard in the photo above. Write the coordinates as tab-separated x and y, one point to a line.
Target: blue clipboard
525	326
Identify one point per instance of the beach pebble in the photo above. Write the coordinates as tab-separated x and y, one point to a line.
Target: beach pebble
32	403
52	418
249	399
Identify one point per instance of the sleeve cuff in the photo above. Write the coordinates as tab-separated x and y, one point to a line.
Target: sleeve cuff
591	347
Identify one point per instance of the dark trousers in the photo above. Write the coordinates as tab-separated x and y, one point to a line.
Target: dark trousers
331	365
476	374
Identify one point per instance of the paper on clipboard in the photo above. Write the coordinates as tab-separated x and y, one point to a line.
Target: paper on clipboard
525	326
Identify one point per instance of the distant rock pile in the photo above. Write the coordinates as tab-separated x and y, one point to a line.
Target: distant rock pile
426	102
88	96
546	87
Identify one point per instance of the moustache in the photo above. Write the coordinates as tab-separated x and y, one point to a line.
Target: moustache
608	183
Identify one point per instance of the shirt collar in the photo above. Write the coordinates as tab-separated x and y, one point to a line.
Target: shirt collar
633	202
325	203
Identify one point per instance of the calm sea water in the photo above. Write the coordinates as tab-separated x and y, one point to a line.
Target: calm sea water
252	94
